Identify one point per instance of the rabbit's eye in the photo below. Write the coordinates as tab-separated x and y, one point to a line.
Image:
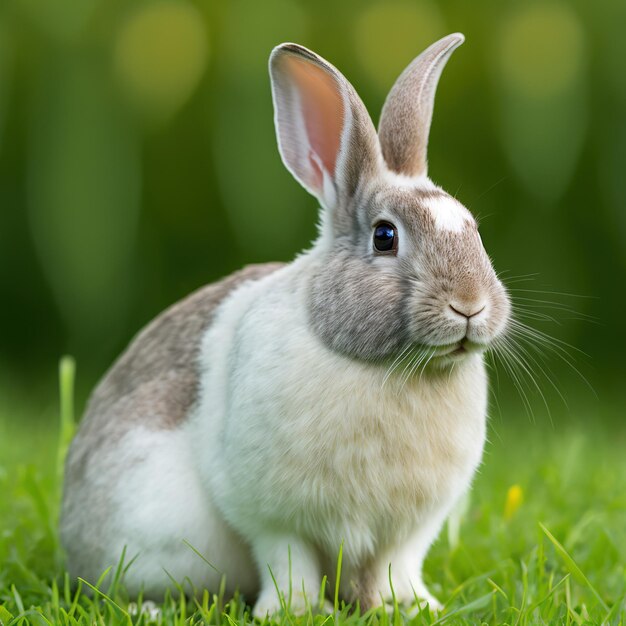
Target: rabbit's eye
386	238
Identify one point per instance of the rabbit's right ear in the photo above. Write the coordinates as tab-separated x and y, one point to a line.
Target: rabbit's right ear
325	135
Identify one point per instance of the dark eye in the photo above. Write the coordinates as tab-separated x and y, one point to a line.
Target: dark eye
386	238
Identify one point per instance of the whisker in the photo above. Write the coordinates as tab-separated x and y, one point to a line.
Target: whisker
559	344
526	303
490	363
432	354
490	188
529	356
523	366
500	349
535	315
517	279
396	363
421	357
451	371
559	348
406	372
559	293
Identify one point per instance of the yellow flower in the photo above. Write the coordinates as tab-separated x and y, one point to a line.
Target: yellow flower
514	499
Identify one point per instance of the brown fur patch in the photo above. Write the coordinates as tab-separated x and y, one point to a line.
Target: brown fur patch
364	590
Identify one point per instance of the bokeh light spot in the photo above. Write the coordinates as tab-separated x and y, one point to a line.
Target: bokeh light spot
540	66
388	36
160	54
541	49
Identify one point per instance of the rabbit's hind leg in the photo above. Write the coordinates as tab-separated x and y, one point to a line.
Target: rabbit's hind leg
158	514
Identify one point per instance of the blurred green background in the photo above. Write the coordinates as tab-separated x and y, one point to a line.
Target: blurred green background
138	161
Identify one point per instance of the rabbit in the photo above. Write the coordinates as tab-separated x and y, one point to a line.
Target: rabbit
292	410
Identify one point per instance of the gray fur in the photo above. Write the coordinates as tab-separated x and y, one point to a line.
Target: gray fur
371	310
355	309
357	305
360	157
154	383
166	351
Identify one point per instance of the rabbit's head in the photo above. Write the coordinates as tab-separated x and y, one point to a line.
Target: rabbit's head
401	263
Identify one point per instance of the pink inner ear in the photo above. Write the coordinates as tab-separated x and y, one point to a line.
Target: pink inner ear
316	168
323	113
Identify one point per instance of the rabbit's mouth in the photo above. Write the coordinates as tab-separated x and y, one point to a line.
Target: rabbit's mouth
459	349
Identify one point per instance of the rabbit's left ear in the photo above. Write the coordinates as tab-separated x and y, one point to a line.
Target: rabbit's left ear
325	135
406	116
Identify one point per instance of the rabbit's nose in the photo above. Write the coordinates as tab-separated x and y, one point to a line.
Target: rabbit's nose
467	310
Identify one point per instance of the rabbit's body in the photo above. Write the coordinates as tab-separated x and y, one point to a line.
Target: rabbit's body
386	472
131	455
352	458
285	411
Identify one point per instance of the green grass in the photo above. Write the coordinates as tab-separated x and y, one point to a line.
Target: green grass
558	557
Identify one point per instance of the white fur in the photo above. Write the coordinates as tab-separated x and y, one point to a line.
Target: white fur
300	448
158	507
449	214
404	181
291	450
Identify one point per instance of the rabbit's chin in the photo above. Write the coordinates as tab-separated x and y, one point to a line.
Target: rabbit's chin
438	357
459	351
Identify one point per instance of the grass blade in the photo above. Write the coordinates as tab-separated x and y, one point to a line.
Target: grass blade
67	371
338	578
576	572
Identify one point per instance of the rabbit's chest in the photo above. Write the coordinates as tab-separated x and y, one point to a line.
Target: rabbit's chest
302	439
354	459
383	465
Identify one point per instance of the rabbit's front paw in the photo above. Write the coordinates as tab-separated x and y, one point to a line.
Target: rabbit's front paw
416	601
148	609
412	594
269	604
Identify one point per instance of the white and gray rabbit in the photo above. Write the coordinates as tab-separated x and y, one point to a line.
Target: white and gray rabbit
341	398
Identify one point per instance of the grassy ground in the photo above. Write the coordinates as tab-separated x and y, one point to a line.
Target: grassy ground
543	539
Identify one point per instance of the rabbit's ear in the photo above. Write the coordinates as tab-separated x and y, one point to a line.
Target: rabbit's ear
408	111
325	135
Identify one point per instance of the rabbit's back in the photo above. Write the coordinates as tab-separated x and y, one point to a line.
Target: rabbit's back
157	376
130	434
